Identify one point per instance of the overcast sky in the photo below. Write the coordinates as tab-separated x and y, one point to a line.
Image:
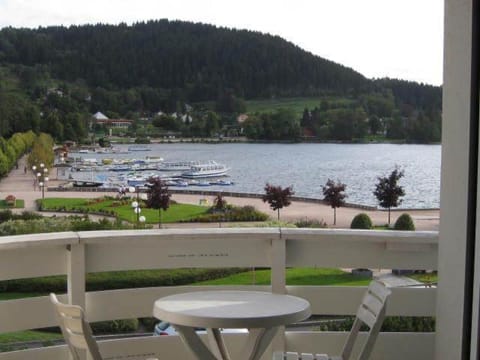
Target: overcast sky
395	38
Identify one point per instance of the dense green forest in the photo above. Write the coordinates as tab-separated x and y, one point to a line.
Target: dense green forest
52	79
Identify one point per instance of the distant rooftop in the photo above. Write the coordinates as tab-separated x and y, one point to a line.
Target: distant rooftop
100	116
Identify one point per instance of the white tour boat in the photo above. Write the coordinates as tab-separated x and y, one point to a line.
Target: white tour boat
211	169
181	165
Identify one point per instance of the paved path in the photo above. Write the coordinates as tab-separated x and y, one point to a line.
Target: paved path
21	184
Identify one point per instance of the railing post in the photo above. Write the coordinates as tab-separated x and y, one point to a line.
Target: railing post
279	258
278	280
76	274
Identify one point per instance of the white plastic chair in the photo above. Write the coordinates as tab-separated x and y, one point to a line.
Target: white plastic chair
76	330
371	312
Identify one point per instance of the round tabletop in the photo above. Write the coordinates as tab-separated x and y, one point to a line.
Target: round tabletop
231	309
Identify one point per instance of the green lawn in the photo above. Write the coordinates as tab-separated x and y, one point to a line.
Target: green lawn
123	210
19	204
295	276
29	335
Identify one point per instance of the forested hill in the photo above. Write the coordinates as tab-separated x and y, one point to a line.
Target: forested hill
197	59
194	80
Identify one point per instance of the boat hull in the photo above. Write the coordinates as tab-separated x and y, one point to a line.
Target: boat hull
201	175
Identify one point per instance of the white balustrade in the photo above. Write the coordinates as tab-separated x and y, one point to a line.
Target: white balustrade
75	254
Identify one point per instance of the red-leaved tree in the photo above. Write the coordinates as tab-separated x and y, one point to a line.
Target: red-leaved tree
158	196
277	197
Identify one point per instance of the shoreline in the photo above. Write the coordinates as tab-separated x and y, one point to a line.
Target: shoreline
20	185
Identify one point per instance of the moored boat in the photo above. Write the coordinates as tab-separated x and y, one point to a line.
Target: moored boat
181	165
222	182
138	148
212	169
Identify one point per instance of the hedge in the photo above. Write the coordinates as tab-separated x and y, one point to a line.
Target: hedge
119	280
390	324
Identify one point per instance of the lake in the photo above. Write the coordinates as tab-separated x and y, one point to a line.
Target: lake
308	167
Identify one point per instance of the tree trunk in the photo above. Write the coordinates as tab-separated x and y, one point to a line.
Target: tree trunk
278	214
388	216
334	216
160	218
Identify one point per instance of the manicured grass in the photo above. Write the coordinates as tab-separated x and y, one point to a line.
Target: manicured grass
295	276
175	213
123	210
19	204
29	335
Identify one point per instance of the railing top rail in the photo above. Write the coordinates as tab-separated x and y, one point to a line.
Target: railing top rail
227	234
35	240
362	235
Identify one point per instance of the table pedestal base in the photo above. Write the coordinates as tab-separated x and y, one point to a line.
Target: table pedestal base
257	342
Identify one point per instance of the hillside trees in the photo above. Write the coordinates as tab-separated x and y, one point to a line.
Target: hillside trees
206	59
280	125
42	151
162	65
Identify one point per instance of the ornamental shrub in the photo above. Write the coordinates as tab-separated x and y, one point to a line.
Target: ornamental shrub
404	222
310	223
361	221
10	200
115	326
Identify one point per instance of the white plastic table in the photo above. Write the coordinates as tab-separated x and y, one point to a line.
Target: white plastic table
262	313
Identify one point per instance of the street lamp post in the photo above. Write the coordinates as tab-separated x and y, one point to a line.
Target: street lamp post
62	161
136	204
41	175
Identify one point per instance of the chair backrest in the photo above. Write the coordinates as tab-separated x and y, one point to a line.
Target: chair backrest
75	329
371	312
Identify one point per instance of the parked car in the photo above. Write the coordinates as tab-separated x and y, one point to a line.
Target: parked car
164	328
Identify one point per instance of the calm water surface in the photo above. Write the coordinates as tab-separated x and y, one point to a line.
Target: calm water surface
308	166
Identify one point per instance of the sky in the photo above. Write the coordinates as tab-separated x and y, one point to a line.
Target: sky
379	38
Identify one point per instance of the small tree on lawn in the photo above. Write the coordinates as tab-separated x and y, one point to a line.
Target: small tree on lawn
158	196
388	192
277	197
219	203
220	206
334	195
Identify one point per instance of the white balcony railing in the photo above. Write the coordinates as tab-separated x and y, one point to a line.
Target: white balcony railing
76	254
